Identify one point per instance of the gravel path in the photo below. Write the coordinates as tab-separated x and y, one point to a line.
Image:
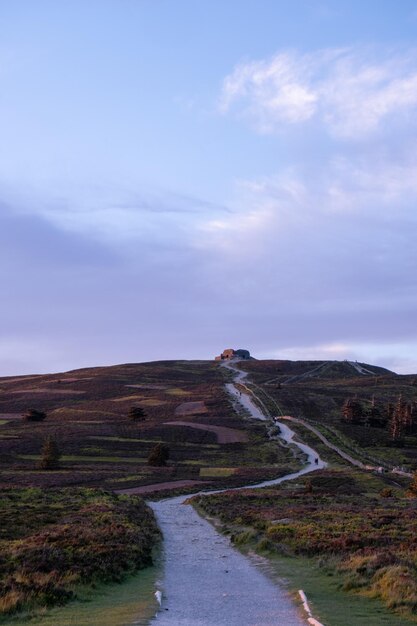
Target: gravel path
207	582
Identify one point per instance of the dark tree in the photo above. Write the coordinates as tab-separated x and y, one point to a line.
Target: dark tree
33	415
159	455
375	414
50	455
137	414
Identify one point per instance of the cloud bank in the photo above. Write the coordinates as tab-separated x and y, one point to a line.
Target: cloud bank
352	93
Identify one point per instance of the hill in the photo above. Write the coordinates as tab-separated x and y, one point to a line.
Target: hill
158	428
185	407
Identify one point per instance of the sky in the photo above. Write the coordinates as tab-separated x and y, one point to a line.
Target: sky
182	176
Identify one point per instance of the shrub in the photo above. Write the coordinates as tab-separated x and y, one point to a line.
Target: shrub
159	455
34	415
50	455
412	490
137	414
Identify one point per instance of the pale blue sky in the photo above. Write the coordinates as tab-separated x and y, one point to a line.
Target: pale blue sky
181	176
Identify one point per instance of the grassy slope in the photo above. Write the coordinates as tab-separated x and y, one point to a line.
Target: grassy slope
55	542
87	411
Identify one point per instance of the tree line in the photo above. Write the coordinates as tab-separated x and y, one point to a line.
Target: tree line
400	418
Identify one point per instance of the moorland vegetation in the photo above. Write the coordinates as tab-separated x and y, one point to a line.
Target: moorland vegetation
139	426
55	542
108	421
357	526
372	409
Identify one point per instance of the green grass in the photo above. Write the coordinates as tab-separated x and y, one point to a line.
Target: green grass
85	422
217	472
177	392
130	479
192	462
213	446
87	459
108	605
104	438
328	603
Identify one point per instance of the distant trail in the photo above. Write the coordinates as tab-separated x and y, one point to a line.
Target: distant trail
309	374
330	445
206	581
350	459
362	370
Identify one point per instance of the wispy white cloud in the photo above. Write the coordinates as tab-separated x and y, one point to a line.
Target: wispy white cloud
351	92
363	192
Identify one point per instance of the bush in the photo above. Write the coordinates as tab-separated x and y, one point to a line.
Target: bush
159	455
412	491
50	455
137	414
33	415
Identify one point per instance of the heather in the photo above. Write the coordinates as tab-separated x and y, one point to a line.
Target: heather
55	543
357	526
106	422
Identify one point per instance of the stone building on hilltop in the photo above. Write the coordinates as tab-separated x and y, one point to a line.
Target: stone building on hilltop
229	353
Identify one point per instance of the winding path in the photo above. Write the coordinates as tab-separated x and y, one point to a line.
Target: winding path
206	581
323	439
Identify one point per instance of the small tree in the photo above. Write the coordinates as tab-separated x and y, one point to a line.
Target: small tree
159	455
137	414
50	455
33	415
397	423
352	411
308	486
412	490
